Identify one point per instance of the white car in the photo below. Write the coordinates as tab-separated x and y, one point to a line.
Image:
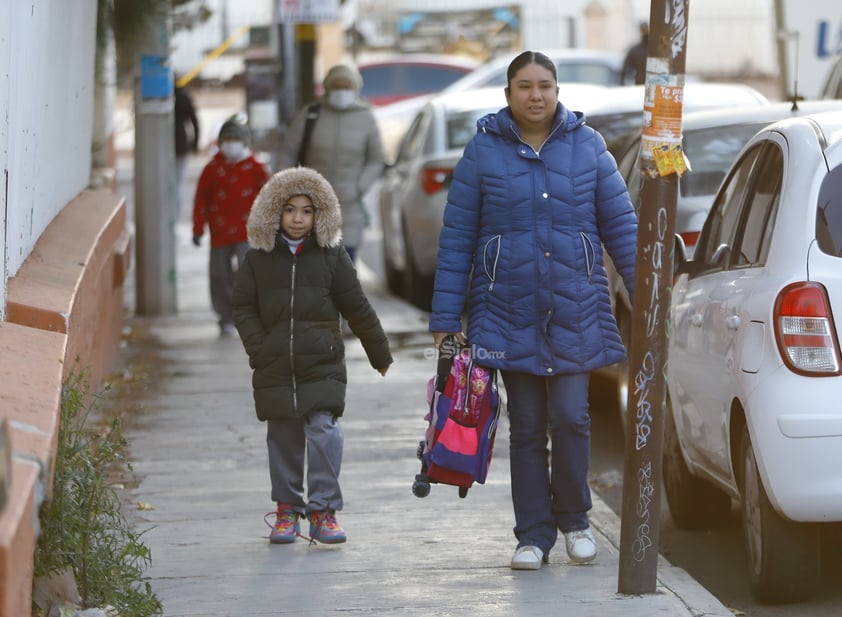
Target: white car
754	367
711	140
573	65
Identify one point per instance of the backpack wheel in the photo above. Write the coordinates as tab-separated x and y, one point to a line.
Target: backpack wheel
421	486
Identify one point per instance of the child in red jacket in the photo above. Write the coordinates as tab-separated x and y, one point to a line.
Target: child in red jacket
224	195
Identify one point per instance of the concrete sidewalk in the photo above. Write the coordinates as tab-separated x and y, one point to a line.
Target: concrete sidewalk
200	458
202	488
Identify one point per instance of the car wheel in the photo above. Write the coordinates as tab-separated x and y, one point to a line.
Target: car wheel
784	557
417	288
694	503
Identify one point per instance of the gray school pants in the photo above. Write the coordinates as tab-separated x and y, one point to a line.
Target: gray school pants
319	436
224	262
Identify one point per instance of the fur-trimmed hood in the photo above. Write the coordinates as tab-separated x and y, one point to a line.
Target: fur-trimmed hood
264	222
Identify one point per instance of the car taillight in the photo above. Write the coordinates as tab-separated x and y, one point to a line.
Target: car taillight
434	179
690	238
805	330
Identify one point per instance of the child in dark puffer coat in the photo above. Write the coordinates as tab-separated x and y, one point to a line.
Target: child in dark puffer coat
295	284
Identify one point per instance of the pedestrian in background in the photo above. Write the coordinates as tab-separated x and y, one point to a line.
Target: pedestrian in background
634	64
295	283
186	141
225	192
534	199
342	142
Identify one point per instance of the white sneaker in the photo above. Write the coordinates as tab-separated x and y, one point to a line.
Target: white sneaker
581	545
527	558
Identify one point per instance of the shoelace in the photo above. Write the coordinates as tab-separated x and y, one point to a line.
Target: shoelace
283	521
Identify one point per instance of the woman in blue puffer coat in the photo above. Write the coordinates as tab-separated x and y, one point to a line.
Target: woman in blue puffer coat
534	198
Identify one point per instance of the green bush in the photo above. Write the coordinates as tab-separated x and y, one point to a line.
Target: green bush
82	524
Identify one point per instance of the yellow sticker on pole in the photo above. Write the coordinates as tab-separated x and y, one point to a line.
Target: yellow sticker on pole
669	159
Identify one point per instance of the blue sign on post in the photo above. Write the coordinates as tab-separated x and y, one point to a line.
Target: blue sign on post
156	80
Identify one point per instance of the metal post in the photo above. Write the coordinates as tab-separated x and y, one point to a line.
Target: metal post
154	175
661	162
289	75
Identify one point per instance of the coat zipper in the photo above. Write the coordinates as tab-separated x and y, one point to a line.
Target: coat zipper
587	247
292	336
493	274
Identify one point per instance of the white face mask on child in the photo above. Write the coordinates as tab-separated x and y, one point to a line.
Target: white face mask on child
233	150
341	99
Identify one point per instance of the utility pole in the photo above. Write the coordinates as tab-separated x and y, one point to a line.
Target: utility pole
661	162
154	174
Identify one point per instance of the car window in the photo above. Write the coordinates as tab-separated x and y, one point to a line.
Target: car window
576	72
711	153
407	80
413	139
631	171
462	126
761	207
616	128
829	218
587	72
718	232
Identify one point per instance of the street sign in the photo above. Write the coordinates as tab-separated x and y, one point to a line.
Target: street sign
307	11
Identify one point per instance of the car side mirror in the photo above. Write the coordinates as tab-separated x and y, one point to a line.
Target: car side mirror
721	256
681	264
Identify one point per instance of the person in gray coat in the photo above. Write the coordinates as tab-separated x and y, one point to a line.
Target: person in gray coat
344	145
289	294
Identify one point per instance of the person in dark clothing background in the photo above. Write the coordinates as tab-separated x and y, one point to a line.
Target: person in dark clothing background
186	140
634	66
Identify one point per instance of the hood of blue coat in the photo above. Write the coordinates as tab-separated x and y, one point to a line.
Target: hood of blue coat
503	123
264	220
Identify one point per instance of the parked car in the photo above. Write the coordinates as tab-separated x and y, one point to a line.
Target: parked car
711	140
755	369
832	88
395	78
414	188
590	66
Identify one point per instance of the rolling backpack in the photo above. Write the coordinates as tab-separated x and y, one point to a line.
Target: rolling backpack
464	408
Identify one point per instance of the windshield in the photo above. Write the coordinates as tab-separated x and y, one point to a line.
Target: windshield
829	219
462	126
711	153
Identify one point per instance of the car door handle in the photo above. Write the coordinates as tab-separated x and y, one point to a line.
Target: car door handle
732	322
696	319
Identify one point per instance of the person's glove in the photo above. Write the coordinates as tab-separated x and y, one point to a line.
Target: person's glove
197	240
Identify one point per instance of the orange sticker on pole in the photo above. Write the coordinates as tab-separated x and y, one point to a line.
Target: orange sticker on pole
662	112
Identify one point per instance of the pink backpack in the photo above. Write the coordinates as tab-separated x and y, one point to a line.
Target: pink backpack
462	423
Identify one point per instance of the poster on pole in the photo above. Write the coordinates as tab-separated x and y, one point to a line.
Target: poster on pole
308	11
